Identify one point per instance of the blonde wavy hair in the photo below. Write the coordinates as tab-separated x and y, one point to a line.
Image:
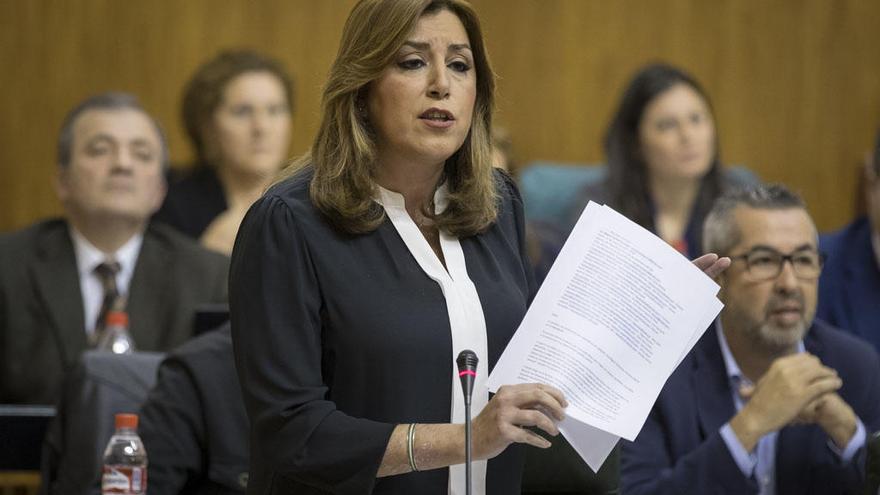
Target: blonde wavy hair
343	155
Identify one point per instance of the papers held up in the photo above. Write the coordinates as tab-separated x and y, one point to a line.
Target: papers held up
617	313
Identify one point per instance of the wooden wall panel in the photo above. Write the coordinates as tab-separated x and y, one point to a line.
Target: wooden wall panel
54	53
795	83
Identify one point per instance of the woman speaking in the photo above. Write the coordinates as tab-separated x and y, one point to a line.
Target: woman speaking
385	251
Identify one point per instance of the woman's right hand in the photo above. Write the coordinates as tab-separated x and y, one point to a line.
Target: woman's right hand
514	407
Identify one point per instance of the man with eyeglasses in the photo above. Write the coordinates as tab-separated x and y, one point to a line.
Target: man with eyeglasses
769	401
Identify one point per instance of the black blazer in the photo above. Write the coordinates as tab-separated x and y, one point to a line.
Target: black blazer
849	288
41	314
193	423
193	201
339	337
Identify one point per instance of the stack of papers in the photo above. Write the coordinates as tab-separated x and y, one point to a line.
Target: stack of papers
615	316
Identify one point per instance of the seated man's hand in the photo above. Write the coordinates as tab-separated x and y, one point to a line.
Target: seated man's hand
834	416
790	385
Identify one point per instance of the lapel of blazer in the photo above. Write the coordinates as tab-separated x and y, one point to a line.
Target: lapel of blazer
863	282
714	402
149	297
57	284
795	444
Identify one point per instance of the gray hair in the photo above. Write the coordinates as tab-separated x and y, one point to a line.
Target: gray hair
103	101
720	233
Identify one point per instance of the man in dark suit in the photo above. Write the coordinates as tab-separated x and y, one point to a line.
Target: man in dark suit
849	289
58	278
769	401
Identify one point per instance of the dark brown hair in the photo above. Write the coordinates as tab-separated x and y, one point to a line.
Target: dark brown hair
627	172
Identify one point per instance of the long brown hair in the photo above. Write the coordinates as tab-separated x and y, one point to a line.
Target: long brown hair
627	172
343	156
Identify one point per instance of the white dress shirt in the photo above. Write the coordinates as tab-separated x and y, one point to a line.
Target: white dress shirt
88	257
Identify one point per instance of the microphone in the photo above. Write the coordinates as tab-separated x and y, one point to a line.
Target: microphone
467	372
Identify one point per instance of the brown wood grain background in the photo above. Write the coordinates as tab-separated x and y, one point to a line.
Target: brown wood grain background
795	83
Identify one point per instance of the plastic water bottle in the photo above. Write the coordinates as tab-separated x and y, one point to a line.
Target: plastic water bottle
115	337
125	460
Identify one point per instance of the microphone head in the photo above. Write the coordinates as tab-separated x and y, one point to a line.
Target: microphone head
467	372
467	360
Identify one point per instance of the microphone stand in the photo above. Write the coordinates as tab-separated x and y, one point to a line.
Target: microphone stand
467	445
467	372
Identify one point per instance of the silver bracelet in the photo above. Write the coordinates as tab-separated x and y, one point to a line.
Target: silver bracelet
410	440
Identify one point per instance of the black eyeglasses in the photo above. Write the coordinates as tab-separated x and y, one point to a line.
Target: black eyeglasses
765	264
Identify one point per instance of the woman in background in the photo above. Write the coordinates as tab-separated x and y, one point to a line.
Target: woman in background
237	111
664	172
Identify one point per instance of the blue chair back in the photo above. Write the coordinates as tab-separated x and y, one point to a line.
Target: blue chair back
551	189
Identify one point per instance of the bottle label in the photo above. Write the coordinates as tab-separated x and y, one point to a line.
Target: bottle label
124	480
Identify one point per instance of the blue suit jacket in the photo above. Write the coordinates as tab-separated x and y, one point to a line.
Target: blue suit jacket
680	449
849	289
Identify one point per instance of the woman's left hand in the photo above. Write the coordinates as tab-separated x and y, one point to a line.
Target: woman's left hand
711	264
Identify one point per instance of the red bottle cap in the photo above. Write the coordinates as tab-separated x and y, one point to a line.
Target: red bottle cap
126	420
117	318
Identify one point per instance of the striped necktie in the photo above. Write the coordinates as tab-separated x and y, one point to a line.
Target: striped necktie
106	273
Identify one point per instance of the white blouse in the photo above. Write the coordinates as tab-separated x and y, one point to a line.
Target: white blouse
466	319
